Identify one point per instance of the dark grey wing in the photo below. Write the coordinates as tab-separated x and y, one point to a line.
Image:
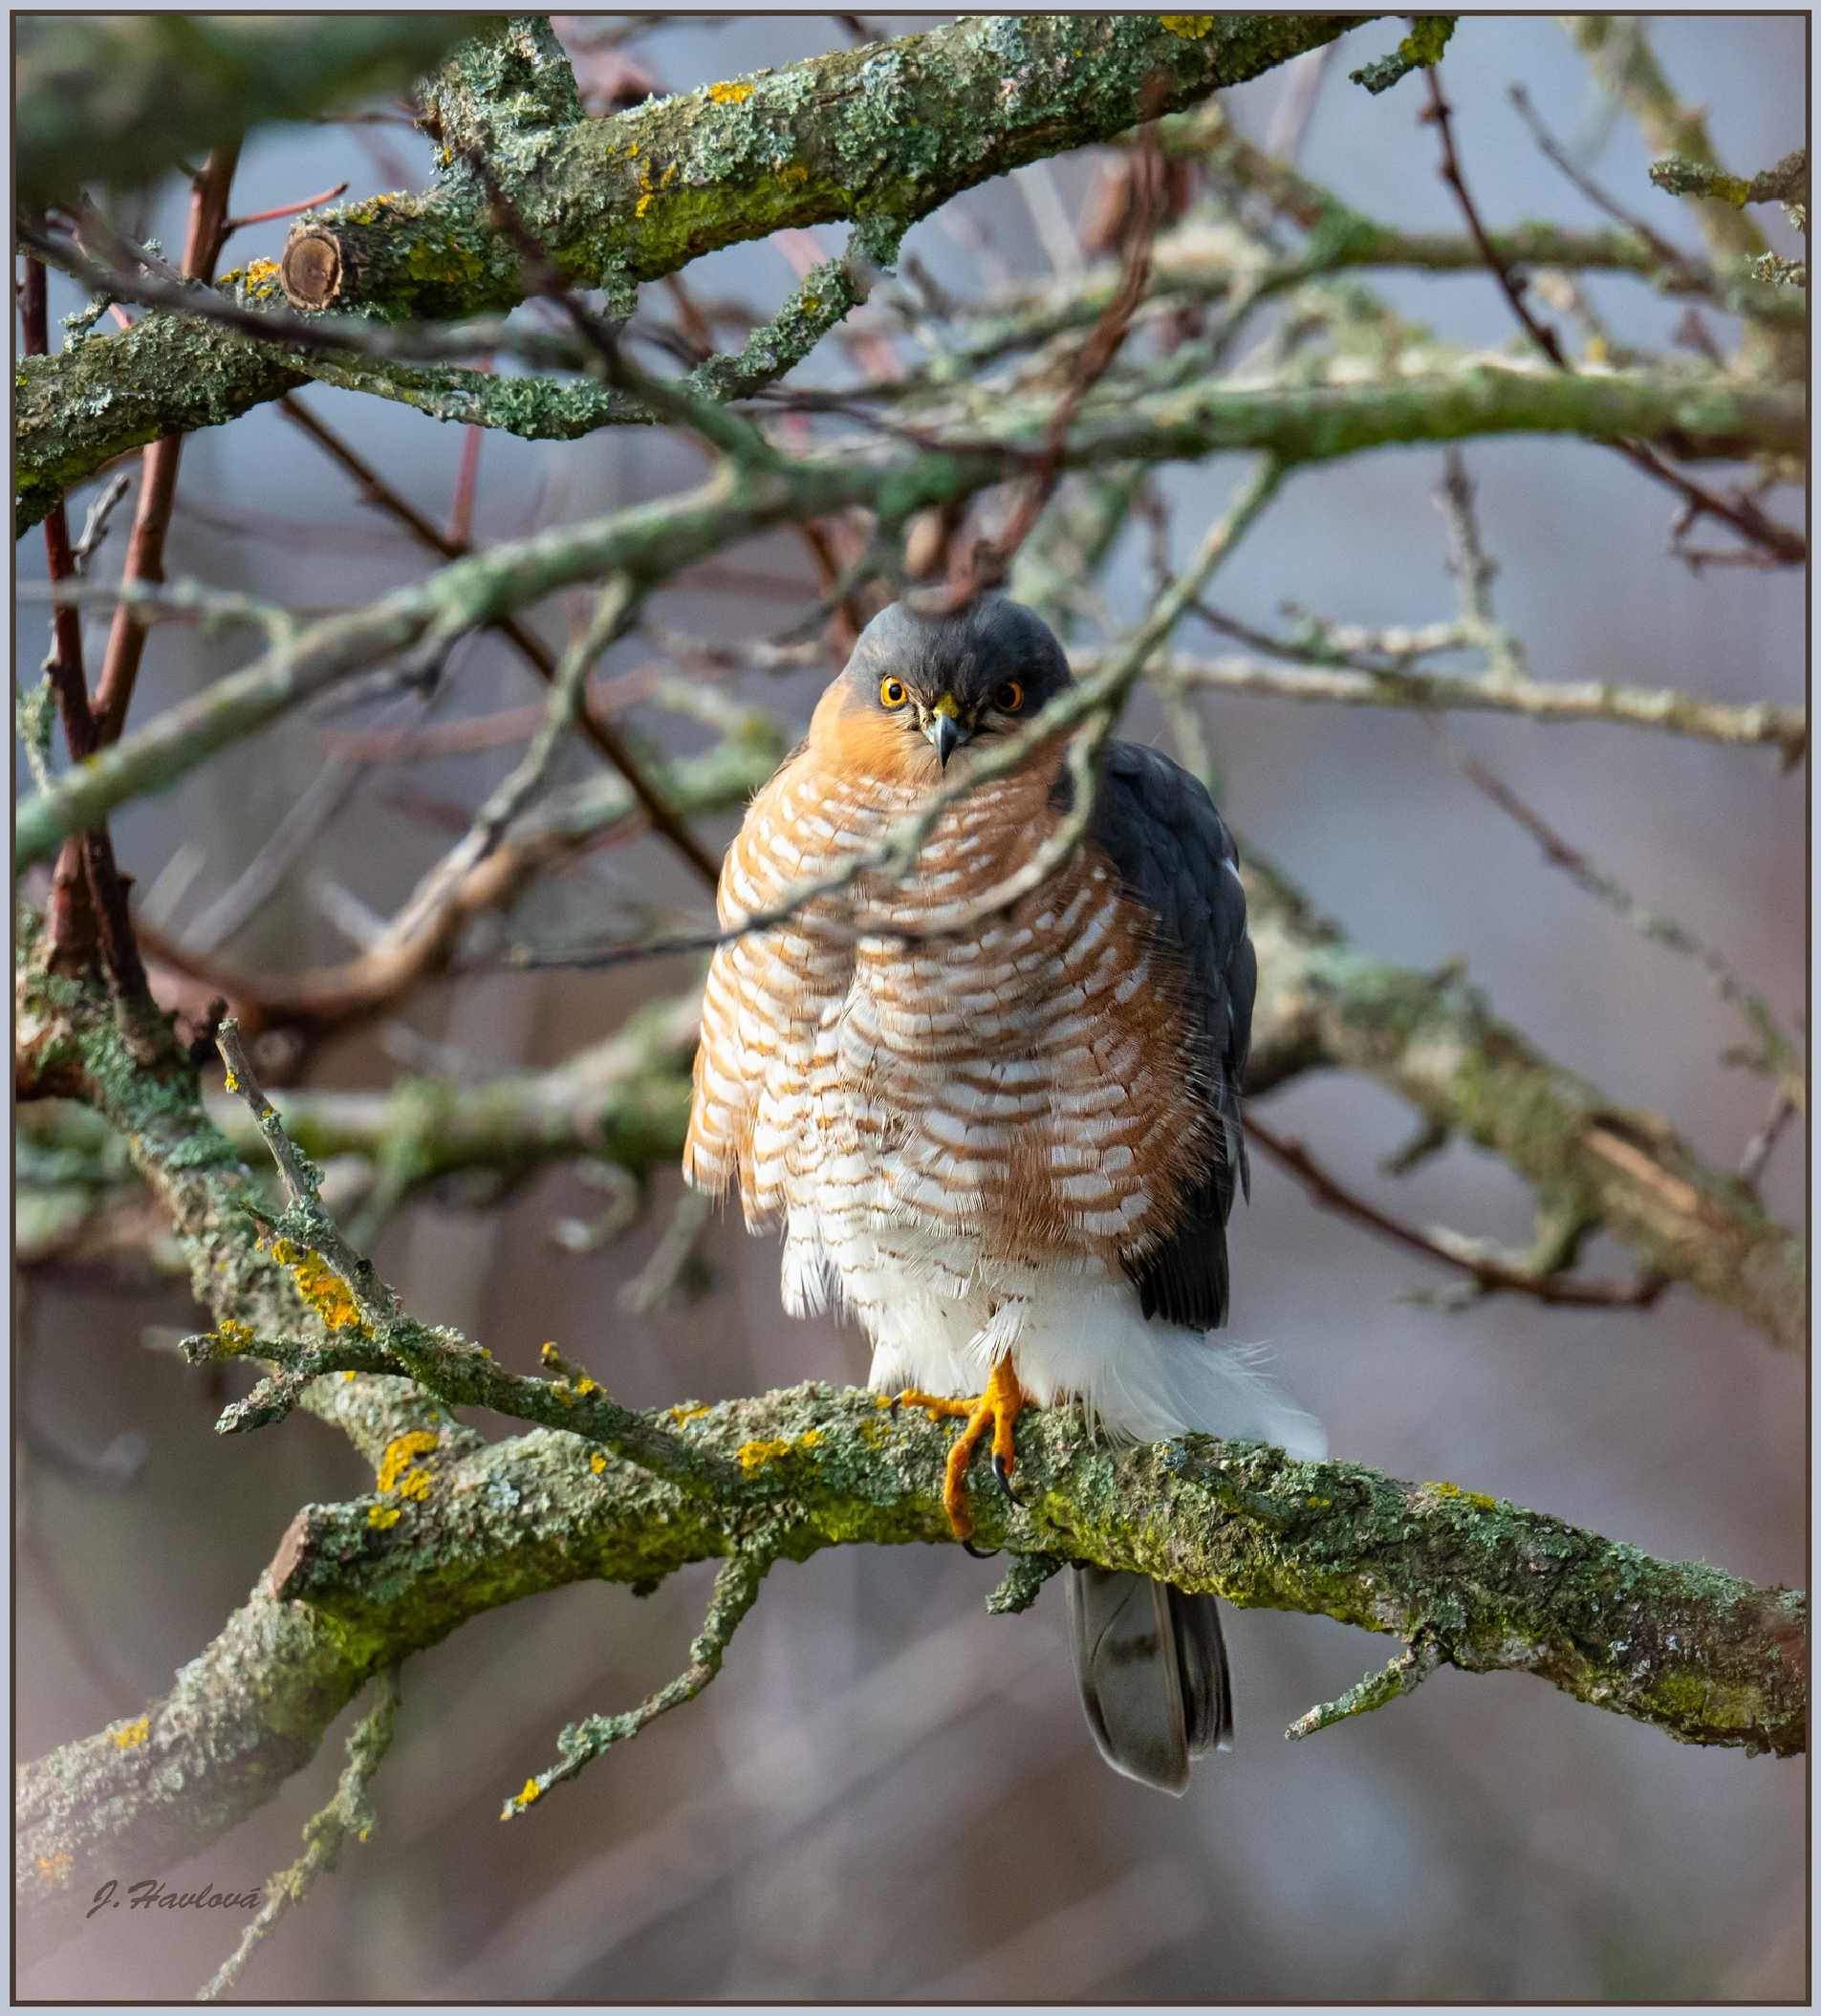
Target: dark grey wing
1158	827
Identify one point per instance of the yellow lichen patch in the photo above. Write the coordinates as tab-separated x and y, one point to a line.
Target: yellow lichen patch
229	1082
57	1867
795	172
729	93
415	1484
1444	1489
319	1285
401	1453
597	1462
258	272
531	1795
680	1415
131	1734
347	1378
234	1336
586	1386
549	1353
384	1515
1191	28
754	1456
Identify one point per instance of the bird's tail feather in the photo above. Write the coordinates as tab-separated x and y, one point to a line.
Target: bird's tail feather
1152	1667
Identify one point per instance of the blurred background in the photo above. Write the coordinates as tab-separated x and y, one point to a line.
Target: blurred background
889	1793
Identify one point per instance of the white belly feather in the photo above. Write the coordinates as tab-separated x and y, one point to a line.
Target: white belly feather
940	1311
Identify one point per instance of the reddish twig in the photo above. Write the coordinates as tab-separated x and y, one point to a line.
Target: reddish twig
466	477
88	906
286	210
1673	262
1489	1276
989	563
1785	547
159	465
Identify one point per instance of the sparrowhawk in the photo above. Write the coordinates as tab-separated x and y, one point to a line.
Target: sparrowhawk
1006	1140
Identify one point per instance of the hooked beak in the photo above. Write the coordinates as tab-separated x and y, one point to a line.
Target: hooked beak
945	729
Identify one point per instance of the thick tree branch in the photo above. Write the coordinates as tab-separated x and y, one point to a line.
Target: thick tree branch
1696	1651
880	135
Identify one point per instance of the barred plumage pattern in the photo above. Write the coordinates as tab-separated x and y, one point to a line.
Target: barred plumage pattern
951	1115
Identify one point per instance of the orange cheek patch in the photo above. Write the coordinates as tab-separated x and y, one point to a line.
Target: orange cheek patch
857	740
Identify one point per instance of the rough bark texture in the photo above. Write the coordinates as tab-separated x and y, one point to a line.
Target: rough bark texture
453	1527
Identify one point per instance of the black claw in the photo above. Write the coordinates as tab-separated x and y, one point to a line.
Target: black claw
1002	1470
980	1553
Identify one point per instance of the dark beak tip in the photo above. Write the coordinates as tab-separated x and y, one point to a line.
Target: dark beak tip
945	738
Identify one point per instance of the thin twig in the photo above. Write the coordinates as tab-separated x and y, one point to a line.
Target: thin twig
1786	546
1759	1149
88	906
736	1588
158	482
349	1812
1403	1676
1488	1276
1673	261
232	224
1322	682
1776	1055
600	732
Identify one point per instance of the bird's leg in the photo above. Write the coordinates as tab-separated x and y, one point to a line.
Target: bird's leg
997	1408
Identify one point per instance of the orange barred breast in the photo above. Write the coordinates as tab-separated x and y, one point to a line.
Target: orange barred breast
1024	1088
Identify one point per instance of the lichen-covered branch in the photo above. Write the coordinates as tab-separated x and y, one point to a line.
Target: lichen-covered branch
1763	724
881	136
353	1588
1293	424
1787	181
1621	57
1591	1161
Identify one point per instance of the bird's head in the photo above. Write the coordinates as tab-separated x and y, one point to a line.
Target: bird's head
943	680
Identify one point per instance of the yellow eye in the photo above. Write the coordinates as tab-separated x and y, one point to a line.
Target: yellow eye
892	693
1009	698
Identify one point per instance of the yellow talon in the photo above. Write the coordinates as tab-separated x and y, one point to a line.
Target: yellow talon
998	1408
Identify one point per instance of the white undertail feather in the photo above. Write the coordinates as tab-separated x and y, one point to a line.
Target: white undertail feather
1071	1336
